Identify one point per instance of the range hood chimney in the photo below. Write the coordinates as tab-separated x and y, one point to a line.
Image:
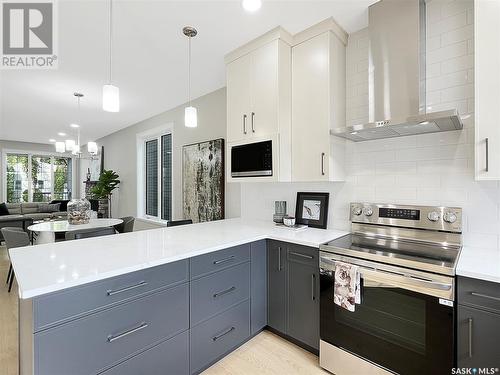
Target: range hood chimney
397	103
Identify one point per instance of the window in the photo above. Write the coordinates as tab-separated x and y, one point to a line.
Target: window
37	178
155	189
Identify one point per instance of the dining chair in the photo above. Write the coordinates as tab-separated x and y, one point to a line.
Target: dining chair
175	223
88	233
14	237
126	226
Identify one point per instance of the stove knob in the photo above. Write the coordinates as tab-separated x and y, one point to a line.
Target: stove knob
433	216
356	211
368	211
450	217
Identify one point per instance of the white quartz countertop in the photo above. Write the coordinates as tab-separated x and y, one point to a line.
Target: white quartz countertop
47	268
479	263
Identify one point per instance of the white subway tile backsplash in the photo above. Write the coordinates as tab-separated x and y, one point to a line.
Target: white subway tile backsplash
458	63
429	169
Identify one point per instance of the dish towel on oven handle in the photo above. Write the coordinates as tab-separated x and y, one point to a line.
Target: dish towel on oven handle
347	288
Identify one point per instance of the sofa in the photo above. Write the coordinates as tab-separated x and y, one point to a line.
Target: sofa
22	215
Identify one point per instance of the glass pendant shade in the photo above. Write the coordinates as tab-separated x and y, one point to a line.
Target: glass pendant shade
92	148
60	147
110	98
190	117
70	144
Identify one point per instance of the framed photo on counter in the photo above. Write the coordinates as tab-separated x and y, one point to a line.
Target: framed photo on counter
312	209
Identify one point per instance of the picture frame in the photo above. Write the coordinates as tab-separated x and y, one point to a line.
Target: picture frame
312	209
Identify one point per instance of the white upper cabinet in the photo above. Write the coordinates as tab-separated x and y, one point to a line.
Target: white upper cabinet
487	89
238	97
318	105
258	82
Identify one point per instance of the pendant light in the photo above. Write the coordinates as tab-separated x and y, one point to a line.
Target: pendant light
190	112
110	93
76	147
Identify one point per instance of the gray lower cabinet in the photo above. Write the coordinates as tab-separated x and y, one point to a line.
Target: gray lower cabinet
216	337
303	295
276	293
171	357
96	342
258	287
478	323
293	291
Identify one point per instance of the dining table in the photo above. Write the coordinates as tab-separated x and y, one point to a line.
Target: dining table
46	230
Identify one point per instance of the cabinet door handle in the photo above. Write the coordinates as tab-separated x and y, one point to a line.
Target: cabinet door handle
469	321
486	141
229	259
484	296
218	294
215	338
253	127
301	255
126	289
279	258
313	287
244	124
138	328
322	163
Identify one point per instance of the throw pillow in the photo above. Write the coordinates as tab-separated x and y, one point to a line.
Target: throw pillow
3	209
54	207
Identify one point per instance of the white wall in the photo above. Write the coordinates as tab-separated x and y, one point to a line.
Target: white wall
431	169
120	153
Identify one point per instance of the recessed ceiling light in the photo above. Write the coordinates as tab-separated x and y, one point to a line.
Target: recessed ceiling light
74	125
52	140
61	134
251	5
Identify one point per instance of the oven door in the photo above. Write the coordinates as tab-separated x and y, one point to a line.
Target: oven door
403	324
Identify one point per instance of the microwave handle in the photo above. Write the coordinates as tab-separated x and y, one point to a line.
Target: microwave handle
244	124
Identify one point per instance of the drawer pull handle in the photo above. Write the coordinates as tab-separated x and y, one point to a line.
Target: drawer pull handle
322	163
485	296
140	327
215	338
126	289
218	294
224	260
486	141
469	321
301	255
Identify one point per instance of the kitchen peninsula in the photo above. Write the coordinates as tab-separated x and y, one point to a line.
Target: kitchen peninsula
180	297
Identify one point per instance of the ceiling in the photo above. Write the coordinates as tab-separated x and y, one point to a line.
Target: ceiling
150	59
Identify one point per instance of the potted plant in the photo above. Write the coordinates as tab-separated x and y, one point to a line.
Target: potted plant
108	181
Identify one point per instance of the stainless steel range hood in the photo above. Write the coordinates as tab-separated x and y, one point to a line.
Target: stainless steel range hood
397	103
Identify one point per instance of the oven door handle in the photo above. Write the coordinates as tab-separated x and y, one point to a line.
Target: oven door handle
407	282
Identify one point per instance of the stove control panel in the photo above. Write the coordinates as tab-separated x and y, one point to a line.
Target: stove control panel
447	219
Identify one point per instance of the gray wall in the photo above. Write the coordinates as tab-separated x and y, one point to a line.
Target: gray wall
120	153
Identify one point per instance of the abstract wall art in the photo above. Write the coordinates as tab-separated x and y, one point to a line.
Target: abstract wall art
203	181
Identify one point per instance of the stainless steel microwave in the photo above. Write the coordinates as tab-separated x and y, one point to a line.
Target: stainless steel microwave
252	160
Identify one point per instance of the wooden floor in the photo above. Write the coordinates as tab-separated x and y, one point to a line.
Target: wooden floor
265	354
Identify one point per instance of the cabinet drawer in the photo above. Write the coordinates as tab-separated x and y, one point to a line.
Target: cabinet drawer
170	357
96	342
205	264
217	336
303	254
215	293
479	293
59	307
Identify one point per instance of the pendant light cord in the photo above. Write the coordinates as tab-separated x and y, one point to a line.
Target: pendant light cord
80	122
110	39
189	71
